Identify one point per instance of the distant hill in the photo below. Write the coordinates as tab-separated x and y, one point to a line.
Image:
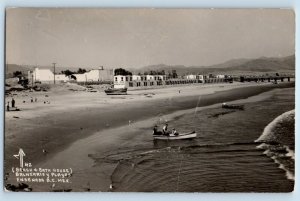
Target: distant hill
10	68
236	66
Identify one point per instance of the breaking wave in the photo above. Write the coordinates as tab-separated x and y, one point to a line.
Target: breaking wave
278	140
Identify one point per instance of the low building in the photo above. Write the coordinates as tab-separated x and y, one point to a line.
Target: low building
62	78
194	77
220	76
95	75
191	77
122	81
139	77
45	76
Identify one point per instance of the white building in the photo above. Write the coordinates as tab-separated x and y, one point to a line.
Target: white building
45	76
62	78
194	77
191	77
151	77
95	75
200	77
220	76
122	81
139	77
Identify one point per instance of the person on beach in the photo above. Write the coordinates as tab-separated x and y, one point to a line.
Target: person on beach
174	132
155	130
165	129
13	102
7	107
31	99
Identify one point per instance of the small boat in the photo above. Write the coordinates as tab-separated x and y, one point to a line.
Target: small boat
181	136
232	106
114	91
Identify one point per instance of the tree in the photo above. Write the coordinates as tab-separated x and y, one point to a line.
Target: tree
81	71
73	77
17	74
68	72
174	74
121	71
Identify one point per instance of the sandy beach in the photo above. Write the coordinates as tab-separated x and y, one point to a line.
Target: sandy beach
71	119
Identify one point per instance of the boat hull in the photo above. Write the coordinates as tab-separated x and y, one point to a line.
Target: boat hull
182	136
116	91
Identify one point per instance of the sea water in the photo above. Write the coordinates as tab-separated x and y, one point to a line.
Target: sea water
250	150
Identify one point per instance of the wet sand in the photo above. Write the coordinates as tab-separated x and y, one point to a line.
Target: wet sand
74	116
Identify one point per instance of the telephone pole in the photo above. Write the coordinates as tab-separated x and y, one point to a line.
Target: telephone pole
54	71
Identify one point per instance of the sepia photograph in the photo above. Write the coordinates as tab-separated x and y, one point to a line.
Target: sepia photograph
149	100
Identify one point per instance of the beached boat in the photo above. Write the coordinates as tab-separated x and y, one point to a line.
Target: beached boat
114	91
232	106
181	136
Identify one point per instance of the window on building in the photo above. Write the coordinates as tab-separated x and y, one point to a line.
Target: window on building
130	78
126	78
145	83
122	79
116	79
142	78
130	84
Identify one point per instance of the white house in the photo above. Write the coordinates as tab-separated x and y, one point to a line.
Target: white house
122	81
200	77
191	77
80	77
139	77
45	76
194	77
62	78
220	76
95	75
150	77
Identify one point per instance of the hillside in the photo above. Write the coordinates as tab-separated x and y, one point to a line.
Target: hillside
263	64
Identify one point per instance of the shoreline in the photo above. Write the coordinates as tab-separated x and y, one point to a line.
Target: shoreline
55	136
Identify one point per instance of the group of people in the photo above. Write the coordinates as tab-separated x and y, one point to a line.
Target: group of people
13	102
164	131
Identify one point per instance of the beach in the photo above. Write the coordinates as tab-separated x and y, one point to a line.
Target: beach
107	139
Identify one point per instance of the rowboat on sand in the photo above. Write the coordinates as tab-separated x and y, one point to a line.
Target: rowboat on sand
114	91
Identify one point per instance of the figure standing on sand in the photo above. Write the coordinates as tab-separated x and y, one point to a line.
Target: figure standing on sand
7	107
13	102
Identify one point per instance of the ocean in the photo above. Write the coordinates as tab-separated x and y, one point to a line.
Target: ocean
250	150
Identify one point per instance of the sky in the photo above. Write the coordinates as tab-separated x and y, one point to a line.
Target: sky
133	38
